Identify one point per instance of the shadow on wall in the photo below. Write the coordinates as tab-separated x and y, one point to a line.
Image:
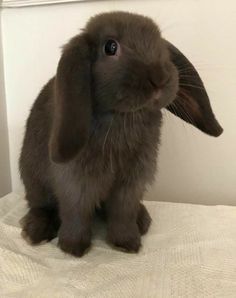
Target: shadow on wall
5	180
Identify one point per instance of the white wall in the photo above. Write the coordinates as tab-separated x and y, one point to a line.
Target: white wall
192	166
5	179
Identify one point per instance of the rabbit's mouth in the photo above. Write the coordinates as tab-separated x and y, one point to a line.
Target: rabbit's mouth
157	95
153	100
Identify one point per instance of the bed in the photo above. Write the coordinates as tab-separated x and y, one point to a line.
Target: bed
190	251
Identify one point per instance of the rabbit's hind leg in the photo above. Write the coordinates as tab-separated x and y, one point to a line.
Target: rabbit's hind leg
143	220
42	222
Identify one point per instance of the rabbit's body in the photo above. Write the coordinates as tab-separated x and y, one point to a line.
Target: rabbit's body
122	150
117	142
92	135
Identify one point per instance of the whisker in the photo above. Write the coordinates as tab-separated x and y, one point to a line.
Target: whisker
191	85
169	26
184	113
174	109
177	113
111	160
185	70
106	136
187	76
133	121
125	130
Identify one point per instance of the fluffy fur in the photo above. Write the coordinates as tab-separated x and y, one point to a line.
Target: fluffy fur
92	136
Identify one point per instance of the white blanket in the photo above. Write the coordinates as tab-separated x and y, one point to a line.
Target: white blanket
190	251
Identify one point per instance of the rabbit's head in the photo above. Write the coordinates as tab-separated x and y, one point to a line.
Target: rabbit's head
132	67
121	64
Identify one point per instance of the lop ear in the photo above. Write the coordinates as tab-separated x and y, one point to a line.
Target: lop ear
192	103
72	101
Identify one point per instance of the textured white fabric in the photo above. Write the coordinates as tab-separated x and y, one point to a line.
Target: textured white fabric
190	251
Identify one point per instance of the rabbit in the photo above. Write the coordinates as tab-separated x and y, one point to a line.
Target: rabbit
92	136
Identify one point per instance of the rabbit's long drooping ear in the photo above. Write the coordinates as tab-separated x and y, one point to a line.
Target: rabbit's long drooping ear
192	103
72	101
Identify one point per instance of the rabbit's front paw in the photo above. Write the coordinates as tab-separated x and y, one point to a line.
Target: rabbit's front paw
76	245
125	238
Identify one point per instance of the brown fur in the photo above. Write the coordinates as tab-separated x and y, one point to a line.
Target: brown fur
92	136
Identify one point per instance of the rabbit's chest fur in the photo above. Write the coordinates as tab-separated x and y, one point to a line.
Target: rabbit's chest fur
121	149
123	145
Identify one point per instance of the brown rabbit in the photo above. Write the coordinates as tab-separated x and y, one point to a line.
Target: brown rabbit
92	136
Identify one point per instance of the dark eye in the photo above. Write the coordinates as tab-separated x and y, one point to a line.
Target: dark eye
110	47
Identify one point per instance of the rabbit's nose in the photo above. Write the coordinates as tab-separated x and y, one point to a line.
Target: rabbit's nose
153	82
157	77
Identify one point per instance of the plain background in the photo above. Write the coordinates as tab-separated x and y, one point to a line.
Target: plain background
5	179
192	166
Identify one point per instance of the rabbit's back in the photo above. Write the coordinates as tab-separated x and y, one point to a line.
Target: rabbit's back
34	160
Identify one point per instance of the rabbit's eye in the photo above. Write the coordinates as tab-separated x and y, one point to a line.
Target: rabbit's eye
110	47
